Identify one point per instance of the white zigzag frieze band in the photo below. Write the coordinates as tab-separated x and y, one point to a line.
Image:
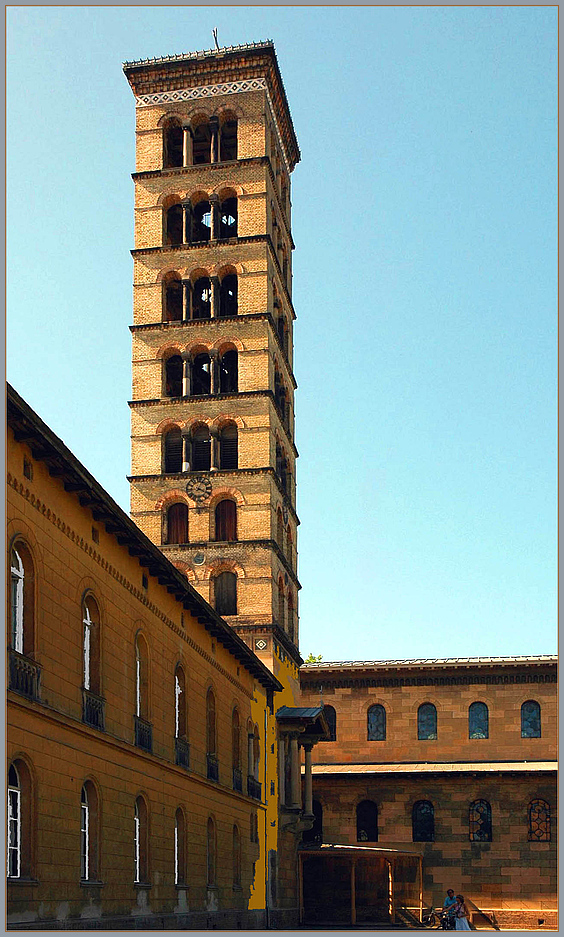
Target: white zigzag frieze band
203	91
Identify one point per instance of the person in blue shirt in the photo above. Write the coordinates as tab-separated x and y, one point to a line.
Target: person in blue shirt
449	907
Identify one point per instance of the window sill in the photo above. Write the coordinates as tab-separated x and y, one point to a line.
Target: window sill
144	886
22	881
182	886
91	883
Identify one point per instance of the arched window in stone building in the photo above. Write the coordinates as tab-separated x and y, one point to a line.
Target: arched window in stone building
177	523
180	703
19	821
201	375
226	520
376	718
89	832
201	448
228	296
22	599
211	852
173	376
201	144
367	822
228	138
172	143
539	821
228	447
173	451
228	218
179	847
480	822
331	720
172	298
174	225
201	298
211	737
236	750
228	372
141	841
92	704
478	721
423	822
427	721
201	222
530	720
236	857
225	593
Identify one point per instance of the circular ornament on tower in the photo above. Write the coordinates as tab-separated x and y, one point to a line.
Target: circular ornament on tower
199	489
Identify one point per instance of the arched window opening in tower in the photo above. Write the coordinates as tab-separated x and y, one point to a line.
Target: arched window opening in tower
201	144
228	296
228	447
172	144
226	520
228	140
201	449
367	822
177	524
173	451
423	822
201	222
229	372
173	300
376	723
173	376
225	593
279	528
201	375
228	218
282	330
173	235
201	299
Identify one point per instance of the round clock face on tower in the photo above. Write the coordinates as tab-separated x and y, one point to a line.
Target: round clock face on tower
198	488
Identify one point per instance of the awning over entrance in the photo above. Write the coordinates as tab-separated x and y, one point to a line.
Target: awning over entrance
358	884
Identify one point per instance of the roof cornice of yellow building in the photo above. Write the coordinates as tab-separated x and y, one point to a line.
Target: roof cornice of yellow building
46	447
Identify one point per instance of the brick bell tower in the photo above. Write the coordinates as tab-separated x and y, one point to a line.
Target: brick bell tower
212	415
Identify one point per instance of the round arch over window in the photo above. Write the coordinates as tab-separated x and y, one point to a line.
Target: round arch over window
427	721
376	719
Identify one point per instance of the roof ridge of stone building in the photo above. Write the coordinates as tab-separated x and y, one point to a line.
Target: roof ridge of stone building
204	53
403	662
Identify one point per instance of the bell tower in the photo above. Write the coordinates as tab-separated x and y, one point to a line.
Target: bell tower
212	411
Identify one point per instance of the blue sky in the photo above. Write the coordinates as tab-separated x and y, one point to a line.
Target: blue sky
424	216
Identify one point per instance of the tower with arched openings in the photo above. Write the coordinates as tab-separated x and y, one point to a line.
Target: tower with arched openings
213	386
